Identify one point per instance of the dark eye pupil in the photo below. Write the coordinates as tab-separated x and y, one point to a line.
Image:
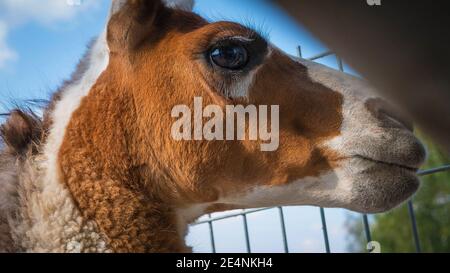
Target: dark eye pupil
230	57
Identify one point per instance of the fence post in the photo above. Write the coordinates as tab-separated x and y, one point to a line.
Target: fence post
367	228
283	230
247	234
325	230
211	234
414	226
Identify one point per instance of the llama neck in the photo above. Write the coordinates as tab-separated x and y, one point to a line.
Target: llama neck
108	185
96	201
106	217
45	217
130	220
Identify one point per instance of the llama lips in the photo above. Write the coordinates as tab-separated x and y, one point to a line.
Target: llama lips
399	165
377	186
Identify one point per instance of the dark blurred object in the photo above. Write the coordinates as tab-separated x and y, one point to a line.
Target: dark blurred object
401	47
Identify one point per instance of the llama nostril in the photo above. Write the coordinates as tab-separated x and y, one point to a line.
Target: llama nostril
384	111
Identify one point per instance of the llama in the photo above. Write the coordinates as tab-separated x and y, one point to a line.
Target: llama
100	171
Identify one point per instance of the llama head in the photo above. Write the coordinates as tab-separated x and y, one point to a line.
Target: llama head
338	144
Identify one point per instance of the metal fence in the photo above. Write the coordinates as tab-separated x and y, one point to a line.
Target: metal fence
211	220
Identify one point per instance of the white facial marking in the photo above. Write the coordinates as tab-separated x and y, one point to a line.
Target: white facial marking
357	121
242	86
362	133
329	189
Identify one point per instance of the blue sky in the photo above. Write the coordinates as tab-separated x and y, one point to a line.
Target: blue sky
41	41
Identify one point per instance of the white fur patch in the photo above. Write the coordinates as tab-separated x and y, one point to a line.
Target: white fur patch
70	101
360	132
8	199
331	189
8	184
242	86
52	192
48	220
328	189
357	121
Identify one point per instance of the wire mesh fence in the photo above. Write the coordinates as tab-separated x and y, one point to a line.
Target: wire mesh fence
365	218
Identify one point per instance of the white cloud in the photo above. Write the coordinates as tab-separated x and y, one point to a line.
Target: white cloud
43	11
6	53
14	13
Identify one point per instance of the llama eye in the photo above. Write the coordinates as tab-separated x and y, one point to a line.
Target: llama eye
232	57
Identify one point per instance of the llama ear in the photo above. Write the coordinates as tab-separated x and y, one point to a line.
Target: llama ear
20	131
132	21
